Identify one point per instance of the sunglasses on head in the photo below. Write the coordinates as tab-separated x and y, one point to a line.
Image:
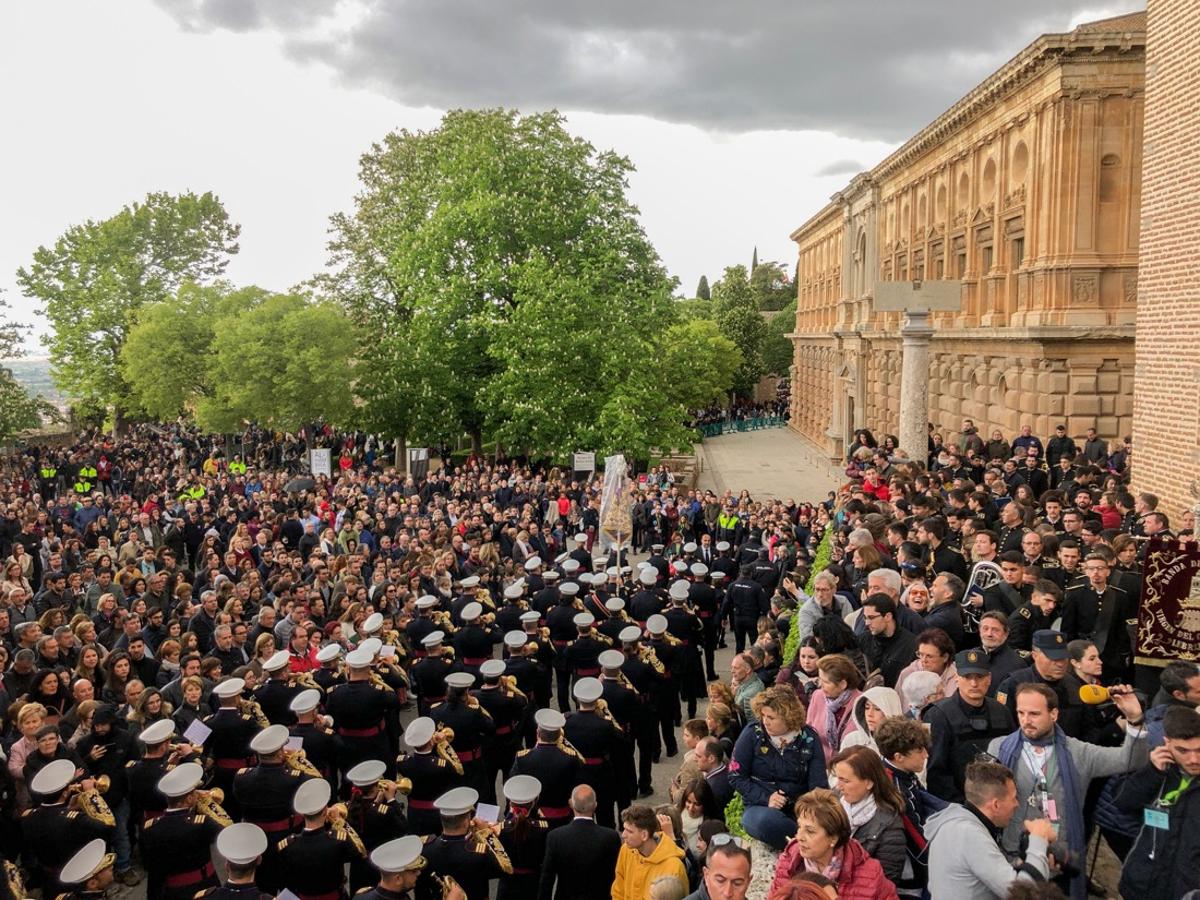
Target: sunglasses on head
720	840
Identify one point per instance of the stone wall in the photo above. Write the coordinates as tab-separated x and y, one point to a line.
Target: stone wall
1166	429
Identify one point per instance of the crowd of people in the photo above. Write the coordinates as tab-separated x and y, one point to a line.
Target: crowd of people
375	682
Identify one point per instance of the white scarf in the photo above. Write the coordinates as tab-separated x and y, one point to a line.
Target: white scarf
860	813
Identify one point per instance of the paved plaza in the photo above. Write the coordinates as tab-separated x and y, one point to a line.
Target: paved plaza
772	462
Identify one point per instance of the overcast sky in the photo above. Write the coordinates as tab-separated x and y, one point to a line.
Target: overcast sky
742	118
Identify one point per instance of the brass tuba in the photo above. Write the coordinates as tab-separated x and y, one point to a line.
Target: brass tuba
208	804
297	763
441	746
89	802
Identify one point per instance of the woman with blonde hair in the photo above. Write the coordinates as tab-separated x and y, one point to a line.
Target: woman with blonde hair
776	759
29	720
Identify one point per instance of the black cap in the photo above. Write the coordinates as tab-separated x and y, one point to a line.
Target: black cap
1051	643
972	662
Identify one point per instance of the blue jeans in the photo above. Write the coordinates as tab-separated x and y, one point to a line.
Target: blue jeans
773	827
121	845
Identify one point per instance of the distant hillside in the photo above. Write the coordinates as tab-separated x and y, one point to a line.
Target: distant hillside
34	375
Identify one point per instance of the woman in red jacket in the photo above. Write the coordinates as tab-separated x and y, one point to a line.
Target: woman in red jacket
823	844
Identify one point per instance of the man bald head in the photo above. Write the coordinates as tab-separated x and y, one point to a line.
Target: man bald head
583	801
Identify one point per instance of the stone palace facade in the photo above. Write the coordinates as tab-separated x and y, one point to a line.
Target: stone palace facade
1027	189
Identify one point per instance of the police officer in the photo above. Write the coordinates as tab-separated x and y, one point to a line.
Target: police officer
88	873
321	746
400	863
557	765
458	852
428	675
265	794
276	694
177	846
52	830
598	738
229	744
686	627
523	837
431	771
962	724
242	846
375	815
313	861
1049	666
702	597
745	602
507	708
360	709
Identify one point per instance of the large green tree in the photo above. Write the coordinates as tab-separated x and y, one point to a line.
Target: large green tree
735	306
702	289
777	347
224	357
94	279
771	287
505	287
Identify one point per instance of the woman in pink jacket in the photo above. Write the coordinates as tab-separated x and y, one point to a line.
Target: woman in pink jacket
831	707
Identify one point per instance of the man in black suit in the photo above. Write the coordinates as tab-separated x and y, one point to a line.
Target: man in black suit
712	762
582	856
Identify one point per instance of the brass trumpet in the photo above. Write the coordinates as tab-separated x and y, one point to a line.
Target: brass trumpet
297	763
484	834
450	887
401	785
246	705
336	816
441	746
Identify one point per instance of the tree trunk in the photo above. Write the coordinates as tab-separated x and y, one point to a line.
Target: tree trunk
118	422
402	454
476	442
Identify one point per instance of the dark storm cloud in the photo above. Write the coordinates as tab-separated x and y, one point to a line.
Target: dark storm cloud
861	68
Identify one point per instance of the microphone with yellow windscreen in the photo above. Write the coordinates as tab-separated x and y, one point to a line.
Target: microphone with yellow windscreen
1094	694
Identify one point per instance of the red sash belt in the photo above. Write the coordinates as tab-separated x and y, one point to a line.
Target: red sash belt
420	804
504	729
560	644
183	879
469	755
475	660
555	812
588	673
332	895
280	824
232	763
524	871
360	732
593	760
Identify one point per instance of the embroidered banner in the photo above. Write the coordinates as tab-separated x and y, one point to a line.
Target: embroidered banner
1169	612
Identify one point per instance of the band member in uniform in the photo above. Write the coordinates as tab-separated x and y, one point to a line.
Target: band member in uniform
561	623
374	813
685	626
229	744
544	653
472	727
507	708
142	775
647	601
628	711
474	643
432	768
467	851
556	764
644	673
88	873
666	700
321	746
242	846
429	674
177	846
400	863
421	625
359	709
313	861
329	674
275	696
598	738
582	653
53	830
702	597
523	669
265	793
523	835
615	620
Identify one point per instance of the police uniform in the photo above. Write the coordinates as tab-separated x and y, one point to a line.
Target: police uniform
177	846
1054	645
559	768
